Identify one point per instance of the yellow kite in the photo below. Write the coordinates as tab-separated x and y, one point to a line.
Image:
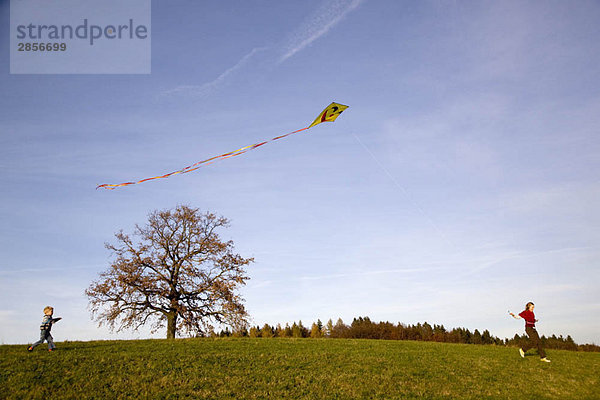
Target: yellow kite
329	114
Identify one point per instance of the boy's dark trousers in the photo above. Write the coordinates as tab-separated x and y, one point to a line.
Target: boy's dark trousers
45	335
534	341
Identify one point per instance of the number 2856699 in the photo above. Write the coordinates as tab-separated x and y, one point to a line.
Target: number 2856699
41	46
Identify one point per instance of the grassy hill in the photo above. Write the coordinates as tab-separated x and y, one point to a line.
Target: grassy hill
292	369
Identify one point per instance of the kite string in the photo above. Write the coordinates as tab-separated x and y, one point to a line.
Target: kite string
408	196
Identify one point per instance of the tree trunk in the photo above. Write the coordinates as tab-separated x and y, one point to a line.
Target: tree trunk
171	324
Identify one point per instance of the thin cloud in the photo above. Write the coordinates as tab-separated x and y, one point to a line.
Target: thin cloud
325	18
367	273
269	282
524	255
206	88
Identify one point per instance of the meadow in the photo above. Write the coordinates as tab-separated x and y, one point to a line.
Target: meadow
244	368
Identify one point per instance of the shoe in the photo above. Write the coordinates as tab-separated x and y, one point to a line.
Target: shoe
30	348
544	360
522	353
50	349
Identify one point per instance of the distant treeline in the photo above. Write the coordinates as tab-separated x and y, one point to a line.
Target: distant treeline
364	328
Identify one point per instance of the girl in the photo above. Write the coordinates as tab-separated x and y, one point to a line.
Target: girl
534	338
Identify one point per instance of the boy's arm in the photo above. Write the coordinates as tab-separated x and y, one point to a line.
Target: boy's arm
56	319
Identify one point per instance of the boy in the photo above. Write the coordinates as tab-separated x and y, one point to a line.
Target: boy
534	338
45	328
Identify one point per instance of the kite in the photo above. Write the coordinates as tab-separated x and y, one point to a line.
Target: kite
329	114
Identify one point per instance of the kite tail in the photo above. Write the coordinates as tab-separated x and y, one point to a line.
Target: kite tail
202	163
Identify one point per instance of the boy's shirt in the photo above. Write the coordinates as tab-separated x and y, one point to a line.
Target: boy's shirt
47	322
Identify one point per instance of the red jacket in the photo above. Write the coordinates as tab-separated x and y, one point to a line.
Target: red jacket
529	318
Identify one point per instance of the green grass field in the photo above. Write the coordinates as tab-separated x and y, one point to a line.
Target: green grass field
292	369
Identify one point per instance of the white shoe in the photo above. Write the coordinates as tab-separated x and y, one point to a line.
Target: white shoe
544	360
522	353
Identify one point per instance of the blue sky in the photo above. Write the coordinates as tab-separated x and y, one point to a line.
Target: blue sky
462	181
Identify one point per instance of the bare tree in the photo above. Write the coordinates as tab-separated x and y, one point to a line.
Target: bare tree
178	271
